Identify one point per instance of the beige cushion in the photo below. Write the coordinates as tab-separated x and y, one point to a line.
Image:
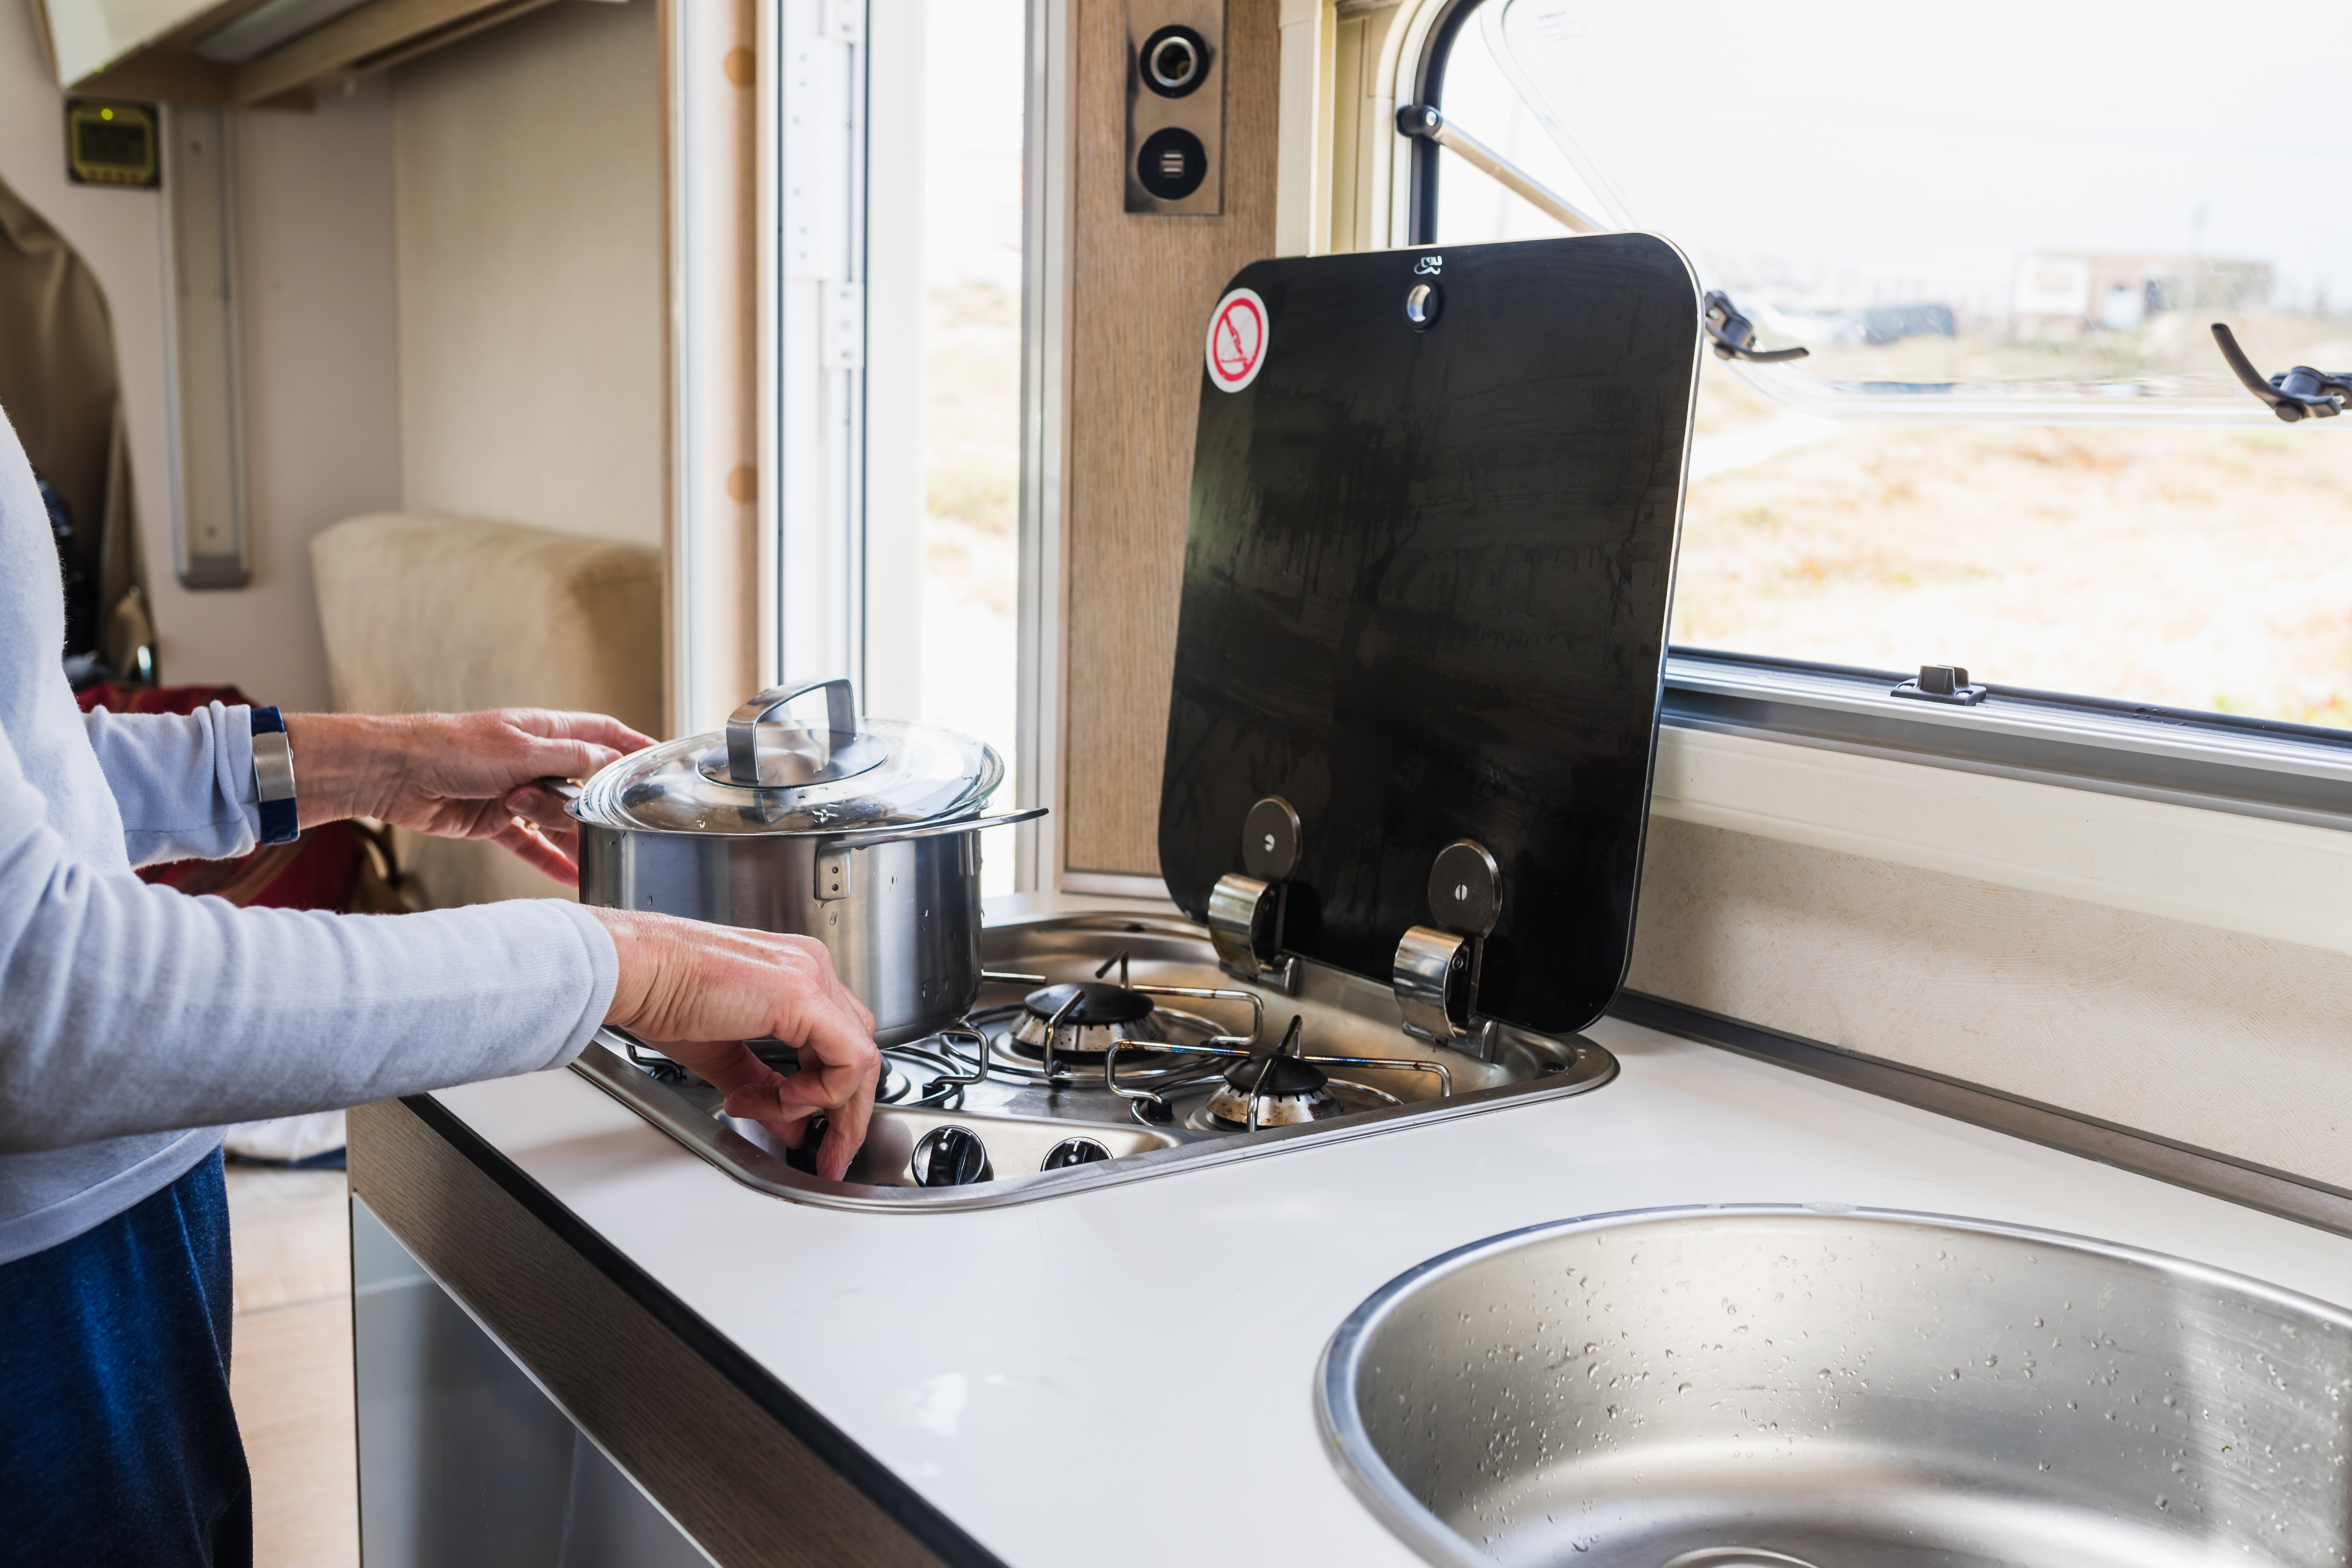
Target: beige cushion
426	613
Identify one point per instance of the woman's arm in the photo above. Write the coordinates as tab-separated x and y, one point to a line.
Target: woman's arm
457	775
186	788
127	1008
184	784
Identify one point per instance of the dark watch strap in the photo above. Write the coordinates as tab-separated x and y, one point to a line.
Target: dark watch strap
273	778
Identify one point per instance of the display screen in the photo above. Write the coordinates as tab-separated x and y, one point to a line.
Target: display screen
110	144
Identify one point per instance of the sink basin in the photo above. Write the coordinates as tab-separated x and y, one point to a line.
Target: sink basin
1757	1387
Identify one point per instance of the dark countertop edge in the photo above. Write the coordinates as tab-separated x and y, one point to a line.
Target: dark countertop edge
2272	1192
875	1482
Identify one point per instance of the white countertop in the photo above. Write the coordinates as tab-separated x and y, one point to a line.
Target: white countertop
1127	1374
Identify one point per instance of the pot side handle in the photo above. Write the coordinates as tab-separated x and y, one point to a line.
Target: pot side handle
857	839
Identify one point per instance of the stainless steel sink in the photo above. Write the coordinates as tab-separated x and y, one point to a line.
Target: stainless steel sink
1756	1387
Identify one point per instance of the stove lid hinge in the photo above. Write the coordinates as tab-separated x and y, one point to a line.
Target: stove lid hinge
1435	974
1247	910
1245	927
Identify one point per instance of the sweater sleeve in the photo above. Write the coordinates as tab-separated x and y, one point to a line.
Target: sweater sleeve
126	1008
184	785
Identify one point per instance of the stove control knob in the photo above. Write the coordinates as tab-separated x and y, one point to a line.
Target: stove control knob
951	1156
1073	1151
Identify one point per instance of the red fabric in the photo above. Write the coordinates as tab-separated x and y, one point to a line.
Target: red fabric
317	871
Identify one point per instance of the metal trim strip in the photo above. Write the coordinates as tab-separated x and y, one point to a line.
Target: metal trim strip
2292	772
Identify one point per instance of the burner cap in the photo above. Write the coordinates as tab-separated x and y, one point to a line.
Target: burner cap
1099	1003
1276	1075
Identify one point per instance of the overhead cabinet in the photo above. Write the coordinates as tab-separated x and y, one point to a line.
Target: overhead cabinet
247	53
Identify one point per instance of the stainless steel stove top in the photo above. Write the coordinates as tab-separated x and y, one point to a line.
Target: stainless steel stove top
1108	1049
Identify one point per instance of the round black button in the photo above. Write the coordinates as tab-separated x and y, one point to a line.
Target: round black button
1270	839
1073	1151
1175	60
1465	888
1173	163
951	1156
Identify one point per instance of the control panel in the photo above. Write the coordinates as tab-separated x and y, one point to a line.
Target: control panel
1175	106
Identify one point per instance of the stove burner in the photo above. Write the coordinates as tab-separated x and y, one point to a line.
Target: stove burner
1089	1002
1283	1089
1287	1076
1286	1092
1083	1018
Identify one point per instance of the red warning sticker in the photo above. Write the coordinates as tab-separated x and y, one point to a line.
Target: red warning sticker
1237	334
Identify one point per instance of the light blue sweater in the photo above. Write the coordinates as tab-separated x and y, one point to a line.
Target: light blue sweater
136	1021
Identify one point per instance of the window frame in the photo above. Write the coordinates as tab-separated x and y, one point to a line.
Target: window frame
814	61
2220	762
812	279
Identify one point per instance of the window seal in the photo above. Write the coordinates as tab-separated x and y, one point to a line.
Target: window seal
2216	762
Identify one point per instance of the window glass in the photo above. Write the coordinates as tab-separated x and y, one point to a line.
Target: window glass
2034	201
971	364
2004	235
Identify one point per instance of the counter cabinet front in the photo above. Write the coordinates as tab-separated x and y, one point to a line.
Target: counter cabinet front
528	1395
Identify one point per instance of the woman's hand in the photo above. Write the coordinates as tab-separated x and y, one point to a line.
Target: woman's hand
698	991
458	775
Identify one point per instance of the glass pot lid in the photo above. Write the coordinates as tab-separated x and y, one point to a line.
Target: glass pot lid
779	767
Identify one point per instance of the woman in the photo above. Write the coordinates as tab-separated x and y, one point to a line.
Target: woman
135	1021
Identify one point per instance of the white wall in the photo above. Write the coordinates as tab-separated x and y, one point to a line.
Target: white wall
2216	1038
315	240
321	385
531	375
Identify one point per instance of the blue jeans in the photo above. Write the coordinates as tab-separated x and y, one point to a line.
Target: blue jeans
118	1443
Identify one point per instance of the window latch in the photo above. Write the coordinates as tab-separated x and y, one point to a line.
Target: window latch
2302	393
1941	683
1734	335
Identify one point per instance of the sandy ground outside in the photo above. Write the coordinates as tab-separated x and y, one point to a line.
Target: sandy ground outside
2192	568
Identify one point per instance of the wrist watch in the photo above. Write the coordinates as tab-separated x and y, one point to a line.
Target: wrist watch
273	777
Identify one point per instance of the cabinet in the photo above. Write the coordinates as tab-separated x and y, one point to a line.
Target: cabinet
270	53
464	1461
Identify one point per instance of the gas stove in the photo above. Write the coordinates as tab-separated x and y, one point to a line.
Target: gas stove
1109	1049
1412	720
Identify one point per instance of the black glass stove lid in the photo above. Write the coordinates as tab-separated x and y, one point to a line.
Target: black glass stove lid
1425	590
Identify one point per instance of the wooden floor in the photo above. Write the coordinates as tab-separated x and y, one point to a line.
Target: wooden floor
291	1375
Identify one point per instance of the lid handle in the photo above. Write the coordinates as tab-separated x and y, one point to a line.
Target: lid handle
743	725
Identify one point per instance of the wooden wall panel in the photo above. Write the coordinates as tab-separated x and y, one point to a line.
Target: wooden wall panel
1140	291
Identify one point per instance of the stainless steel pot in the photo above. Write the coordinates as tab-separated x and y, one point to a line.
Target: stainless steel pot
862	836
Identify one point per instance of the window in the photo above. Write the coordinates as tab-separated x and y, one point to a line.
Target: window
899	360
971	385
2002	236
